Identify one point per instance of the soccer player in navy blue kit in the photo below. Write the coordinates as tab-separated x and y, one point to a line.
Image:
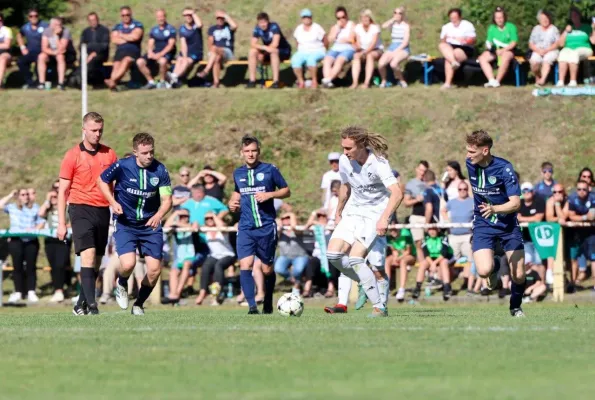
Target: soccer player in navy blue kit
142	197
497	199
257	184
274	49
161	49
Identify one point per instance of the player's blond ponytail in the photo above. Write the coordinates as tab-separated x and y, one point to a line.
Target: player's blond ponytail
361	136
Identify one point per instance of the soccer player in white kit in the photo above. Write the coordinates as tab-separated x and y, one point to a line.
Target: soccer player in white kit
374	193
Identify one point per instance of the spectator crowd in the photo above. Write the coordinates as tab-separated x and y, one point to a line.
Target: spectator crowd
209	257
50	46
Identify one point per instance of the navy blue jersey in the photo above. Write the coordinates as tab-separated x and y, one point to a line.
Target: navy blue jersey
267	36
161	36
193	37
581	206
134	46
433	197
33	36
138	190
249	181
493	184
223	36
544	190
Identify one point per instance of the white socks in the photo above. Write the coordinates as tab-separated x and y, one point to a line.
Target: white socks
368	281
344	289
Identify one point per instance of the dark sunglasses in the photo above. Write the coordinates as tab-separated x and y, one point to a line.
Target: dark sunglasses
558	191
187	15
33	15
586	176
527	190
582	189
551	171
24	194
184	175
342	17
398	12
125	15
463	189
334	161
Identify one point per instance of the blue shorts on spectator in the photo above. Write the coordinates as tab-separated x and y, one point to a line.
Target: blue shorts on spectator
309	59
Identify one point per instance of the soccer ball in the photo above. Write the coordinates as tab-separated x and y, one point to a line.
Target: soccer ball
290	305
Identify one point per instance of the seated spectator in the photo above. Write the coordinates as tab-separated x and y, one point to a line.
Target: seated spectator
311	44
319	223
291	252
368	47
127	36
544	187
213	182
274	49
56	50
97	38
501	44
535	290
437	256
329	176
581	209
587	175
161	49
400	254
32	196
554	212
5	44
399	50
24	216
185	254
57	251
191	47
457	40
576	41
452	178
221	44
532	210
414	198
340	38
32	32
543	44
181	192
221	257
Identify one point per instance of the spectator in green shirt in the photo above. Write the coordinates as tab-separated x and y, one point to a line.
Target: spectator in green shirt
401	254
501	42
438	256
576	43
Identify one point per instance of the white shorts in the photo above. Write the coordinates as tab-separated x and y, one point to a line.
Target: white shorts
363	229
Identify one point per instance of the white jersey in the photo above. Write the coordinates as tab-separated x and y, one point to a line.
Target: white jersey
369	184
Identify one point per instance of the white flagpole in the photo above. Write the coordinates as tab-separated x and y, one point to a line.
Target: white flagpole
83	79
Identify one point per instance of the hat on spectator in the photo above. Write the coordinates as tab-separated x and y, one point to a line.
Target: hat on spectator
306	13
207	167
527	186
334	156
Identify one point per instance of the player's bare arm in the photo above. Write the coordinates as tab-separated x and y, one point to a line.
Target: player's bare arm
344	194
106	190
394	201
234	202
282	193
513	205
62	190
166	204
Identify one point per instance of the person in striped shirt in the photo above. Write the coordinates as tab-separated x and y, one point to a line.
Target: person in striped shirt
398	51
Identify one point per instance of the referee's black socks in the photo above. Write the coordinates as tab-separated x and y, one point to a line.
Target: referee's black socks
88	277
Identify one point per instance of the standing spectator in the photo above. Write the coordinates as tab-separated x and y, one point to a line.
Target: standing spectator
57	251
457	40
291	252
576	41
414	198
401	254
329	176
213	182
181	192
582	209
544	187
501	43
368	47
97	38
200	204
460	210
161	49
543	44
221	45
5	44
221	256
31	32
431	199
453	176
399	50
23	250
274	49
587	175
554	212
311	44
127	36
532	210
191	47
340	38
333	202
56	50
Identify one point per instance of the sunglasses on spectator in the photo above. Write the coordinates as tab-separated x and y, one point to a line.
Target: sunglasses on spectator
187	15
545	171
33	15
184	174
527	190
463	189
586	177
184	216
398	12
24	194
582	189
341	17
558	191
334	161
125	15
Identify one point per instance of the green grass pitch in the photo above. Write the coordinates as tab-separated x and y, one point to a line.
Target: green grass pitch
432	352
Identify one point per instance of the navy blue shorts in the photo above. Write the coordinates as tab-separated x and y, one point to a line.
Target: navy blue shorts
259	242
147	241
484	237
195	57
151	62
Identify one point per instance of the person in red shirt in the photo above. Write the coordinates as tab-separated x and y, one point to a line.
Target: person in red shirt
88	209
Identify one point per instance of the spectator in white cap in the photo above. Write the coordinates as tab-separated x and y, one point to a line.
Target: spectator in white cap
532	210
311	47
329	176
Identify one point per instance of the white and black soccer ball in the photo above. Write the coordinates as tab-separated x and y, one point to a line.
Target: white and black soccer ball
290	305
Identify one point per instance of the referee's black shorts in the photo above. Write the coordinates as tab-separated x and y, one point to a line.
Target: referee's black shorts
90	227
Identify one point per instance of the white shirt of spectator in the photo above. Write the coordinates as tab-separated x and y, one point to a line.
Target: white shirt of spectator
369	185
450	32
219	246
5	33
544	39
309	40
365	38
327	179
452	191
343	35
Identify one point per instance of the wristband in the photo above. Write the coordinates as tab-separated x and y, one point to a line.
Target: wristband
23	47
584	217
558	203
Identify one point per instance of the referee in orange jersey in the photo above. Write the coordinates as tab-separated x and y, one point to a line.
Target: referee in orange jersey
87	207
